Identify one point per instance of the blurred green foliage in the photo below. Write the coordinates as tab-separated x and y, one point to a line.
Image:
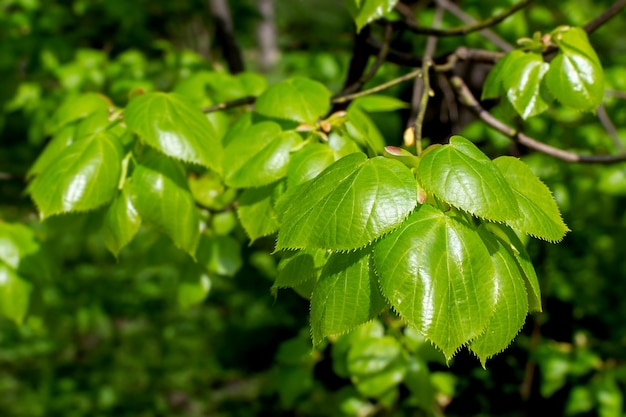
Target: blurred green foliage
149	334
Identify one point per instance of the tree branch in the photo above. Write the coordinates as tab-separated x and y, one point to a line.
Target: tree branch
349	97
229	104
608	125
467	98
225	35
607	15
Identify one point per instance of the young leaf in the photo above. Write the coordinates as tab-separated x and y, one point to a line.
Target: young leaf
540	216
193	291
493	83
366	11
575	77
256	212
298	99
463	176
84	176
436	272
258	156
76	108
121	222
61	140
172	125
21	251
523	81
364	131
350	204
512	305
300	266
379	103
345	296
14	294
159	192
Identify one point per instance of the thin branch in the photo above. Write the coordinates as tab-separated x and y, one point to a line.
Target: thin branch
608	125
226	36
607	15
467	98
349	97
616	93
421	88
470	27
469	20
380	58
230	104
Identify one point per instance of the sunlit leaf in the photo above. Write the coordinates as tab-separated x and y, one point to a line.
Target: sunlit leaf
159	192
463	176
308	163
540	216
20	250
121	222
220	254
78	107
14	294
84	176
173	126
298	99
345	296
512	302
258	156
366	11
379	103
194	288
522	83
350	204
437	273
575	77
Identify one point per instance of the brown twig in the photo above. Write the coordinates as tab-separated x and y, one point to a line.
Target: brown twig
349	97
608	125
467	98
230	104
607	15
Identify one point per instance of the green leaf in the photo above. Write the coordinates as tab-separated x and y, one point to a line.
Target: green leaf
76	108
14	294
379	103
256	212
159	192
308	163
84	176
297	267
121	222
350	204
20	250
366	11
540	216
463	176
61	140
522	83
364	131
515	246
575	77
194	290
258	156
172	125
345	296
376	365
512	301
298	99
493	83
209	191
437	273
220	254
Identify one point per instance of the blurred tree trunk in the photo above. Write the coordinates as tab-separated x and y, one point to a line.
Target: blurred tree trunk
225	35
266	35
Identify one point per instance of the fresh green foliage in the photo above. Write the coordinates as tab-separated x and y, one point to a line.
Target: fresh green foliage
365	11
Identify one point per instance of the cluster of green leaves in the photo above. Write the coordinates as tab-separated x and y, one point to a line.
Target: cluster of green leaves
432	236
574	77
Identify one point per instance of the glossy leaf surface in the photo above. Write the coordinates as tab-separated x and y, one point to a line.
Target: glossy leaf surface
512	302
298	99
575	77
173	126
463	176
84	176
366	11
345	296
436	272
159	191
350	204
121	222
540	216
297	267
20	250
523	81
309	162
258	156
